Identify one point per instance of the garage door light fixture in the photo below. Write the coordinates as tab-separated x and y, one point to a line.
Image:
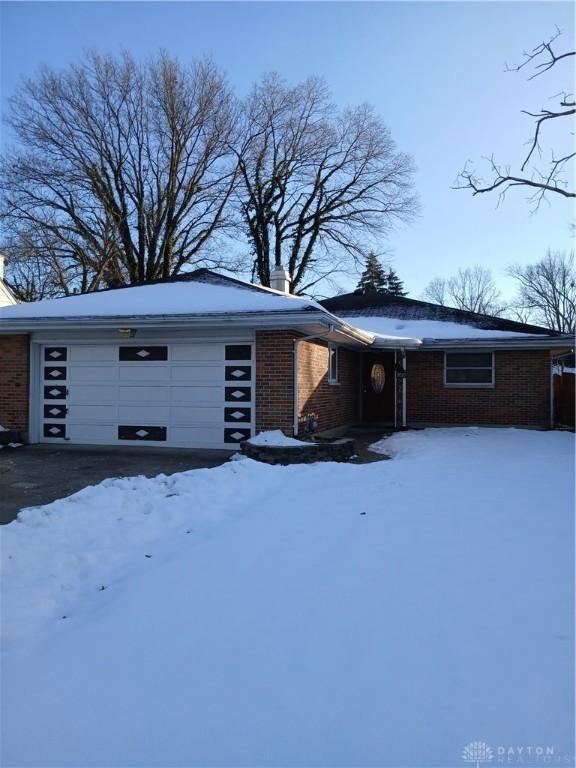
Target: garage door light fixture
128	332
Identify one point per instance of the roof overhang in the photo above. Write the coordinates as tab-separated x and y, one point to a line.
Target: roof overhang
306	321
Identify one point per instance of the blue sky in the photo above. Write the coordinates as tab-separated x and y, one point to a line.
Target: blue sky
434	71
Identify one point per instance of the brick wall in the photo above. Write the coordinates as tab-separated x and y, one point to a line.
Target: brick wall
521	395
275	380
14	373
336	404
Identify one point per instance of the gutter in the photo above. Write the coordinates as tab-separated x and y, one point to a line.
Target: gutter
552	420
531	342
314	336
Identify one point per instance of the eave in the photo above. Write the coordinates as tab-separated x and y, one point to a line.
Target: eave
308	322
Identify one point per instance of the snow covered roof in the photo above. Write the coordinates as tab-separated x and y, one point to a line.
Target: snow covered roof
378	311
392	327
201	299
210	299
194	294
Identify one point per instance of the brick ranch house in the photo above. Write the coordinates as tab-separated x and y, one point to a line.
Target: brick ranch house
206	361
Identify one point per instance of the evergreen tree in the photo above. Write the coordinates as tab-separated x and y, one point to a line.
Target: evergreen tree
376	278
393	284
373	278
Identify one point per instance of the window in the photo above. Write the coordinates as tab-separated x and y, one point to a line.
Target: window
332	364
469	369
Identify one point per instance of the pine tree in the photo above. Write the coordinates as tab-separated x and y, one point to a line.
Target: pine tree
393	284
373	278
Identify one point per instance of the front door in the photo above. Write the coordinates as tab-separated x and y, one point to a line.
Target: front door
378	379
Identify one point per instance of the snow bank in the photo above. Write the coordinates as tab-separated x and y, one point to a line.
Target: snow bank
58	555
277	438
328	614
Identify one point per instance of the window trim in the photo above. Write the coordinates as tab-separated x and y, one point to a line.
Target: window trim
333	349
463	385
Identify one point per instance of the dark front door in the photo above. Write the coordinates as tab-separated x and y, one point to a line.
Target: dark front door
378	378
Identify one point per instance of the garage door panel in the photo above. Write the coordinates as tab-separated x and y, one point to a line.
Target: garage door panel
92	433
93	394
201	373
84	413
140	414
201	435
93	353
210	415
151	373
197	395
92	373
197	352
143	394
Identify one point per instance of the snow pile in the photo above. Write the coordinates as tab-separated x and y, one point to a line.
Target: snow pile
276	438
58	555
327	614
393	327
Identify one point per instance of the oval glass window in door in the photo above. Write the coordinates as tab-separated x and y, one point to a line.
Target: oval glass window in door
377	377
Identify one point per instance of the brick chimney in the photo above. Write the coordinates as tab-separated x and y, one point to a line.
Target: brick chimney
280	280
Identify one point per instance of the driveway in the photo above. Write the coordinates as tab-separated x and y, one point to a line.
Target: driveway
38	474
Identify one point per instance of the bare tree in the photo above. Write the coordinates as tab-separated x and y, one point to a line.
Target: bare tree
553	177
547	290
316	182
437	291
123	169
33	270
520	313
472	289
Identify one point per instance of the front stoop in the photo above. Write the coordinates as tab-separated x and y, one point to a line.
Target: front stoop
333	450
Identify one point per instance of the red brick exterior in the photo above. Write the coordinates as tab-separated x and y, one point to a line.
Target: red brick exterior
14	368
521	395
275	380
336	405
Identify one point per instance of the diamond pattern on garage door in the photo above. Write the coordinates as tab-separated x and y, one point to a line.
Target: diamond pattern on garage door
53	410
197	394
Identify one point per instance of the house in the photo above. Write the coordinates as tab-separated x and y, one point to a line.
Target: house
206	361
6	295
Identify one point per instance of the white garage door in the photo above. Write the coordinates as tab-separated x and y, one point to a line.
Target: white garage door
181	395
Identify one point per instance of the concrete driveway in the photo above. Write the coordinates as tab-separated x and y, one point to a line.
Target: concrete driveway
38	474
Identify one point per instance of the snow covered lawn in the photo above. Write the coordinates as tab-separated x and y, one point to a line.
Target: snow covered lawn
324	615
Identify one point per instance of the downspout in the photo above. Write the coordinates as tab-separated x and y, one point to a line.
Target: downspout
403	351
297	341
395	389
552	422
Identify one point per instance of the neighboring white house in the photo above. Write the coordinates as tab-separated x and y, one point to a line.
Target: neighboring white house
6	295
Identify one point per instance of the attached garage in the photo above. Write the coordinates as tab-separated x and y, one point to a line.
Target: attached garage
194	395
